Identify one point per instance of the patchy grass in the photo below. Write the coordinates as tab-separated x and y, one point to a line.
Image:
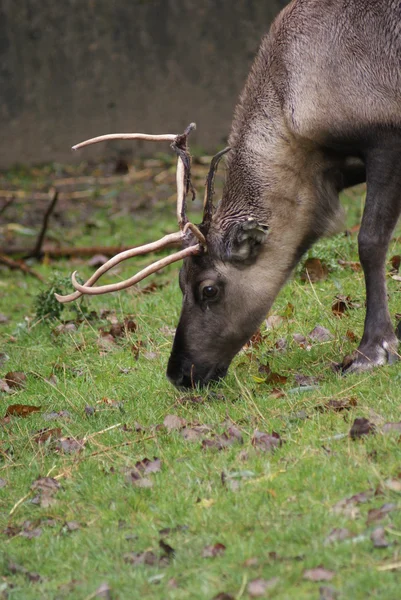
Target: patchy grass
235	509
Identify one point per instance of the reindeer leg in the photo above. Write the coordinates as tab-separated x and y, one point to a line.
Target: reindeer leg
383	207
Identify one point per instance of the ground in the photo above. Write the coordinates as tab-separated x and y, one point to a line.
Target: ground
119	486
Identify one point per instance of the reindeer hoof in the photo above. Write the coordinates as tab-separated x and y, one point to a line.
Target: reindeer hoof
369	357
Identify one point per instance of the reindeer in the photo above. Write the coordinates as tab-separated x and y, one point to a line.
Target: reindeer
320	111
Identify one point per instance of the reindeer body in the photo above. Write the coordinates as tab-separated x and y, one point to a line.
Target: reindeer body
321	110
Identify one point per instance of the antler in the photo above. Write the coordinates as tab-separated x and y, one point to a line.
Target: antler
209	190
179	145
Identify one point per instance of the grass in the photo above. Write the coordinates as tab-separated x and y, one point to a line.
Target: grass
279	510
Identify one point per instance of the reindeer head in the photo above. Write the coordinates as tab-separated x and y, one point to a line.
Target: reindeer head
220	278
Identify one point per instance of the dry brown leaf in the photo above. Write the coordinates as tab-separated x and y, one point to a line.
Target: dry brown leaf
395	263
172	422
378	537
353	265
314	270
15	379
320	334
21	410
265	441
213	550
337	535
259	587
361	427
318	574
376	514
43	435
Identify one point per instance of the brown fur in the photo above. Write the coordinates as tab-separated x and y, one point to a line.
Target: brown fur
325	88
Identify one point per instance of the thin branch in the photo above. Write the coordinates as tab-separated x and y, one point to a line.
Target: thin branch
19	265
7	204
37	251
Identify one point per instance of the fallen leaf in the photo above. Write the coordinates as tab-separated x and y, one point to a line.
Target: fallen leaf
31	533
192	434
52	416
106	342
347	506
318	574
351	336
15	379
69	445
314	270
338	405
360	427
3	319
299	339
354	266
327	593
320	334
147	466
337	535
141	558
223	596
265	441
47	487
3	482
342	304
167	549
273	322
259	587
4	387
303	380
228	438
281	345
21	410
376	514
97	260
390	427
269	376
64	328
103	591
393	484
172	422
254	341
251	562
44	435
213	550
378	537
15	569
395	263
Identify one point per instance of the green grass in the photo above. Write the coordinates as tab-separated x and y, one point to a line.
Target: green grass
282	511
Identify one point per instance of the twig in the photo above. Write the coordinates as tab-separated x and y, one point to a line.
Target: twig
18	264
7	204
20	501
92	435
71	251
37	251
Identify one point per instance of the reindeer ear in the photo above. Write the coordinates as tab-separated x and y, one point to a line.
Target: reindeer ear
247	239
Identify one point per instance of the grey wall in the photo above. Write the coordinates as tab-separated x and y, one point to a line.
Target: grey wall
71	69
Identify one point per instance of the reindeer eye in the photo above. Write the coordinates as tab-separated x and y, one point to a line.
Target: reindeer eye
209	291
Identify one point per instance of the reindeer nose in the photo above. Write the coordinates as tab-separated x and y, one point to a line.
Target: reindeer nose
180	380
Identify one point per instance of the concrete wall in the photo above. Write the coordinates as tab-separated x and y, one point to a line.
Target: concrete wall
71	69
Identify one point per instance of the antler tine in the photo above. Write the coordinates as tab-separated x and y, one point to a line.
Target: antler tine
167	240
122	285
165	137
209	190
183	173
